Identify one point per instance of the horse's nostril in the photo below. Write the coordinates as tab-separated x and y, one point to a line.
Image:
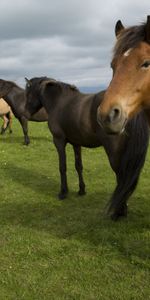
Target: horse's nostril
115	114
112	117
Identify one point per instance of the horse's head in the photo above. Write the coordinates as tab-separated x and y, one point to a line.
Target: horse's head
129	89
41	89
33	95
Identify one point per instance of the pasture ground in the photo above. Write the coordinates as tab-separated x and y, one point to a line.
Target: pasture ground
68	250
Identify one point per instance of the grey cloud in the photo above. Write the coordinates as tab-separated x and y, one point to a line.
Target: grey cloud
69	39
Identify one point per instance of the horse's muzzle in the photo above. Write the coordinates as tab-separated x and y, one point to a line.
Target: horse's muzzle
114	121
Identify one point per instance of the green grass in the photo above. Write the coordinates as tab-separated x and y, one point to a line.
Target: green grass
51	249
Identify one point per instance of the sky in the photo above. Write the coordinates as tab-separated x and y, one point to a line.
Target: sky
69	40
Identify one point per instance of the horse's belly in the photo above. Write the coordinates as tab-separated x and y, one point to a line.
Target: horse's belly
4	107
89	141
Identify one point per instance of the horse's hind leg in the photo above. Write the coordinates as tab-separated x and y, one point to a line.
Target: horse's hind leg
5	124
10	122
79	168
60	146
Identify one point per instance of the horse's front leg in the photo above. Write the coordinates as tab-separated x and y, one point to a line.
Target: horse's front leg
60	146
118	202
79	169
24	124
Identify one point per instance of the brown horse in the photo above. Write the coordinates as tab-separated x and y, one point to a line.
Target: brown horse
6	115
129	89
72	118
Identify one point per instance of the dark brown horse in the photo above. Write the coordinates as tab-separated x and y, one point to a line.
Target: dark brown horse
129	89
72	118
15	97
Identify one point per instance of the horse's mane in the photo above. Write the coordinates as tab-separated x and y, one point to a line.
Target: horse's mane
129	38
63	85
67	86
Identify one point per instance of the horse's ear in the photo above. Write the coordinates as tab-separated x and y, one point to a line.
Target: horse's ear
118	28
148	30
28	82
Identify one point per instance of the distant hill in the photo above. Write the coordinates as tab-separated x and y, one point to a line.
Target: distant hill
90	89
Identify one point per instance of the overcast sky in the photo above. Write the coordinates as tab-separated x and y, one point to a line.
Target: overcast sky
70	40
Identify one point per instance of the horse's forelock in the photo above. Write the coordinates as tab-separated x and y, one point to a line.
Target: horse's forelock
129	38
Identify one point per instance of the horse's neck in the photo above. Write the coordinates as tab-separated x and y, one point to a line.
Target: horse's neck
95	102
14	95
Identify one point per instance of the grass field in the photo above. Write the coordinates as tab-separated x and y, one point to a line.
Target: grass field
68	250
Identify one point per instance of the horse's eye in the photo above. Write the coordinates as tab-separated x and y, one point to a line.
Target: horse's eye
146	64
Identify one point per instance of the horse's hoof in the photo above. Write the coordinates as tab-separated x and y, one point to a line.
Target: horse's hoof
2	131
81	192
26	143
62	196
116	216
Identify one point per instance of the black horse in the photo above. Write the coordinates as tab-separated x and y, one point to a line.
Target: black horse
72	118
15	97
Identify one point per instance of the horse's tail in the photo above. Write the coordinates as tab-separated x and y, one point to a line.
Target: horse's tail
131	163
